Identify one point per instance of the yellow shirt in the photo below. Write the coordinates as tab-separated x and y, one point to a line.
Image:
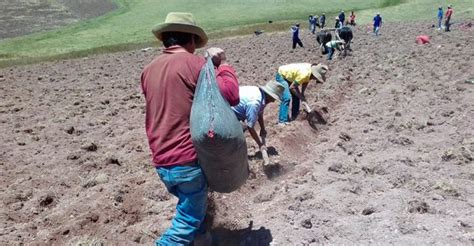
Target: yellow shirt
298	73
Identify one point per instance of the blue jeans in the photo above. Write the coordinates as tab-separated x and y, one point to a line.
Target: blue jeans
285	102
330	53
297	40
440	22
189	185
376	30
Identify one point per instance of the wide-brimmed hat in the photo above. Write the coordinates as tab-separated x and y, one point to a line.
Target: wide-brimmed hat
181	22
274	89
319	72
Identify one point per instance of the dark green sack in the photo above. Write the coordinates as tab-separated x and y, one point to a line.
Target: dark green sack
217	135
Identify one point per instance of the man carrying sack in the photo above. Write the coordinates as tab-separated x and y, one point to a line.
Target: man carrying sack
168	84
291	76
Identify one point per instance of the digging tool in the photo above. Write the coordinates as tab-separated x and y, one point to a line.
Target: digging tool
314	117
306	107
266	159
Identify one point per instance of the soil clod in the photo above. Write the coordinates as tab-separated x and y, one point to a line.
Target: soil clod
90	147
416	206
368	211
306	223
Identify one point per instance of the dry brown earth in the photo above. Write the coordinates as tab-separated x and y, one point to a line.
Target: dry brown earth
392	166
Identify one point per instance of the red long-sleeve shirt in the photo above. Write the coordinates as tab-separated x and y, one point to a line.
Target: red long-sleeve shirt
168	84
449	12
228	83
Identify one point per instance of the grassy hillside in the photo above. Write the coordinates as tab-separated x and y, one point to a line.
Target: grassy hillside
130	25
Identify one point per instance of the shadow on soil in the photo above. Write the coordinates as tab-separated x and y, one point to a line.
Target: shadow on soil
242	237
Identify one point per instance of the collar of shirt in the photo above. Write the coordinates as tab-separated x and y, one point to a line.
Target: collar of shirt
174	49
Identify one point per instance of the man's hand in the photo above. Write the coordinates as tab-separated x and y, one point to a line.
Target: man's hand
263	133
266	159
303	98
217	55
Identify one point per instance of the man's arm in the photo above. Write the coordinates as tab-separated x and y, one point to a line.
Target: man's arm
225	76
228	83
255	137
296	91
263	131
303	88
252	116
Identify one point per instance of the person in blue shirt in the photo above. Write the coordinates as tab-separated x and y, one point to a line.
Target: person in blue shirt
313	22
295	30
377	24
342	17
322	20
252	103
338	23
440	17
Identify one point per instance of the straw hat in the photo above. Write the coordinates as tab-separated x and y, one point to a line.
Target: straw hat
181	22
319	72
274	89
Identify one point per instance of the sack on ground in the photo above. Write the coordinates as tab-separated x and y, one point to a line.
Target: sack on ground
217	135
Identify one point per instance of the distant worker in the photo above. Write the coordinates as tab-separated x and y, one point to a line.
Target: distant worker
352	19
345	33
323	37
310	20
253	101
291	76
342	17
338	23
295	30
377	24
440	17
322	20
334	45
314	23
449	13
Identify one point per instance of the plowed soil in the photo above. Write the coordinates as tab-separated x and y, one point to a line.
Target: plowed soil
393	164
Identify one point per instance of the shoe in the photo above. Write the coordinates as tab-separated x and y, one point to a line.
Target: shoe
282	124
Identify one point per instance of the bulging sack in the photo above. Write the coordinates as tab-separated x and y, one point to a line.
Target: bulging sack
217	135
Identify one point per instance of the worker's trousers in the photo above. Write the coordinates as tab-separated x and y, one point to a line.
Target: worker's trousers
189	185
285	102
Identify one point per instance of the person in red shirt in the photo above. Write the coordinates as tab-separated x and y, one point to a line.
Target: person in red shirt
168	84
352	19
449	13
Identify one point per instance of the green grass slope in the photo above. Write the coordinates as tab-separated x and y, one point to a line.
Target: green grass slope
130	25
